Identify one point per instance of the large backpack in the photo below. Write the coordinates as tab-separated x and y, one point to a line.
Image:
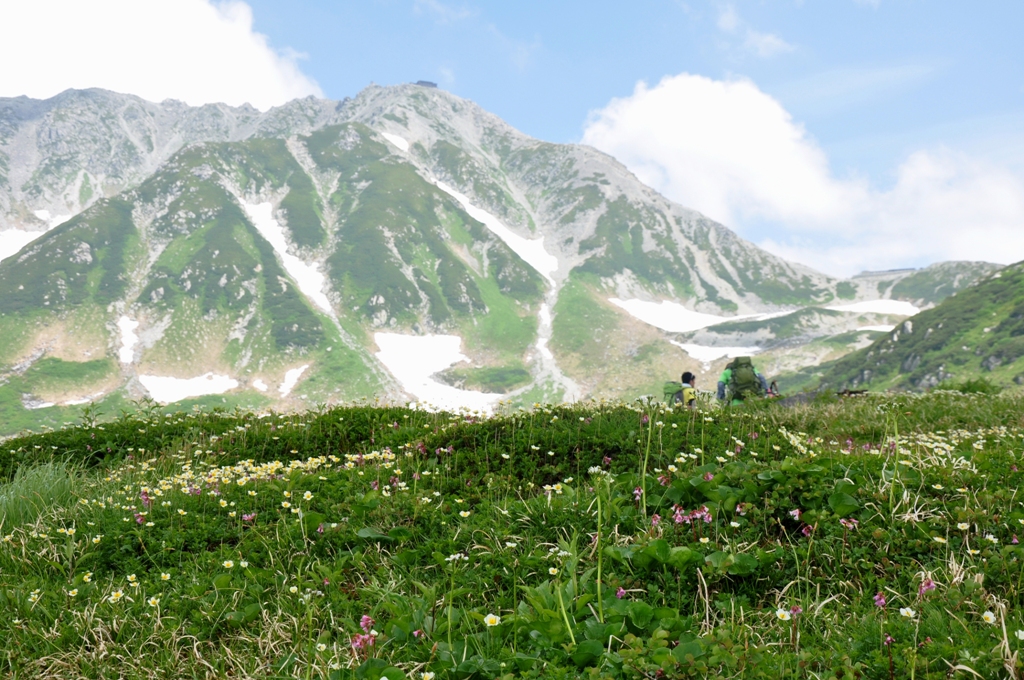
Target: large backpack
743	381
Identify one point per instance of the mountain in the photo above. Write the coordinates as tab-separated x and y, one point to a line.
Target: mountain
975	333
403	243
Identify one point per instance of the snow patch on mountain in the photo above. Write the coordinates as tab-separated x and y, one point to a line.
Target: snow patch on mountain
260	385
413	359
13	240
670	316
898	307
882	328
531	250
291	378
167	390
705	355
128	339
396	140
307	276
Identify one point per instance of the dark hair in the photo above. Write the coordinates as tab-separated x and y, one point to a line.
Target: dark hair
688	378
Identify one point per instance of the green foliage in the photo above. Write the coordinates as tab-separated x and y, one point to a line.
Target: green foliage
484	547
580	324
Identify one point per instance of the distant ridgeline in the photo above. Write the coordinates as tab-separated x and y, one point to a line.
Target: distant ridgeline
225	256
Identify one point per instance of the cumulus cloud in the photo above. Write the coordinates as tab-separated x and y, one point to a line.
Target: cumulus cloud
731	151
193	50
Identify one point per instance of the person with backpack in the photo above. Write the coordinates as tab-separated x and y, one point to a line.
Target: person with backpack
740	381
683	392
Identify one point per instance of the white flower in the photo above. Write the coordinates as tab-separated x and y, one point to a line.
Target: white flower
907	612
1019	634
988	617
491	620
783	614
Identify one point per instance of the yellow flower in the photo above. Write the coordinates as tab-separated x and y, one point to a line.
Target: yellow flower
87	578
223	503
491	620
182	512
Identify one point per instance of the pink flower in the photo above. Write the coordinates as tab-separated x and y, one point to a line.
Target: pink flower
1014	540
416	476
795	514
888	640
655	520
807	530
250	517
708	476
663	480
644	419
417	633
679	517
607	460
620	593
320	529
796	610
638	493
139	518
366	623
880	600
849	523
374	485
926	585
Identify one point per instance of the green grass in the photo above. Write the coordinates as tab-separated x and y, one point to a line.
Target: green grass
600	540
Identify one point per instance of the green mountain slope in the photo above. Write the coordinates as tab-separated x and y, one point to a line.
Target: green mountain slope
979	332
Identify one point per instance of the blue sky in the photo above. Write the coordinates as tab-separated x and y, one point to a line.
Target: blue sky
870	81
843	134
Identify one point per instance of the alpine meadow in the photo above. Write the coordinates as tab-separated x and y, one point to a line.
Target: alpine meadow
384	388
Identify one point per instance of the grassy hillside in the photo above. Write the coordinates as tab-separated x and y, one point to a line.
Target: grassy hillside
873	538
979	332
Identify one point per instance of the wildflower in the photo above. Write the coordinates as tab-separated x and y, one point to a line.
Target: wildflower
850	523
926	586
1019	634
285	504
308	496
796	610
153	601
34	596
293	590
655	520
510	544
320	646
637	493
783	614
553	571
972	551
880	600
464	513
116	596
795	514
223	503
938	487
620	593
705	539
963	526
164	576
243	564
427	675
907	612
87	578
228	564
73	592
97	538
734	525
708	476
366	623
991	539
491	620
287	494
888	640
939	539
182	512
988	617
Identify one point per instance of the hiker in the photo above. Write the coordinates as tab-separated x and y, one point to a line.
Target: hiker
688	395
773	389
741	380
683	392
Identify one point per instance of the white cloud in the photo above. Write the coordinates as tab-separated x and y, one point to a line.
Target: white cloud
193	50
734	153
760	44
